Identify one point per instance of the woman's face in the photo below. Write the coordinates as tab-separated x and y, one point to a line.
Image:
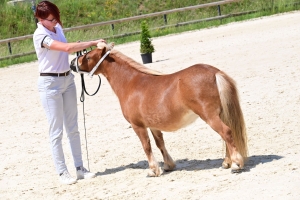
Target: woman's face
49	22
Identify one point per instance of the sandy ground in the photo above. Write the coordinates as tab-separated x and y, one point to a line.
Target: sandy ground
262	55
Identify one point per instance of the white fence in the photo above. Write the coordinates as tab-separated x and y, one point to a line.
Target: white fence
112	22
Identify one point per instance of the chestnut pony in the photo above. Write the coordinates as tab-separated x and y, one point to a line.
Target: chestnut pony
169	102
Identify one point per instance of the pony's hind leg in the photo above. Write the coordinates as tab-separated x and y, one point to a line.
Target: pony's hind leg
159	140
237	161
227	161
145	140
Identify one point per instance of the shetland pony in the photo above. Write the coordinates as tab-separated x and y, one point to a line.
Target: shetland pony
168	102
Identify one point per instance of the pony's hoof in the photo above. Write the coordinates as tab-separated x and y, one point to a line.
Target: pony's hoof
152	173
168	168
225	165
235	168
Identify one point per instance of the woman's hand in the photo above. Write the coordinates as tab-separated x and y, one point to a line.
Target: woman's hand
100	40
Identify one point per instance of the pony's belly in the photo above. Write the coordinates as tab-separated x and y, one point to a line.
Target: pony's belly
181	121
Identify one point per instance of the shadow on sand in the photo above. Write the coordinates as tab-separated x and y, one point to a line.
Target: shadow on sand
194	165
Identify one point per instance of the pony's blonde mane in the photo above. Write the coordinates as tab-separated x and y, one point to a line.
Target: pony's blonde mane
127	60
135	64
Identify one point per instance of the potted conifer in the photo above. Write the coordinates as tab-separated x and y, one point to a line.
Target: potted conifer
147	47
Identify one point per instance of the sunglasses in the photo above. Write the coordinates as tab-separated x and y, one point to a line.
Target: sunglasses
52	20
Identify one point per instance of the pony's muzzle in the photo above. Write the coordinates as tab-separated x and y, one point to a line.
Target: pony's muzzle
73	65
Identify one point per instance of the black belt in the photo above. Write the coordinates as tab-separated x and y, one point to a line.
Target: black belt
55	74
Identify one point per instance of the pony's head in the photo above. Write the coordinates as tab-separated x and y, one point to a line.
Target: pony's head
89	62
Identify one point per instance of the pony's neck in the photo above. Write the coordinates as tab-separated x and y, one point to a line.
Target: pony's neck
119	73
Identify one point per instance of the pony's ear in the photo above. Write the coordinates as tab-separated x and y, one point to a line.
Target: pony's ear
110	46
101	45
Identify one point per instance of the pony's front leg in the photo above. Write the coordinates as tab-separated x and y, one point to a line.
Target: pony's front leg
159	140
145	140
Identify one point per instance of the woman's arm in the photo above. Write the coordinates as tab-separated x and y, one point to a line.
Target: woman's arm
74	46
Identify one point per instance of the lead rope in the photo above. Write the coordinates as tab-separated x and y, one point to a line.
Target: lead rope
82	98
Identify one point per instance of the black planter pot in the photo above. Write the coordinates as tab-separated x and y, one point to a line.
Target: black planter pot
147	58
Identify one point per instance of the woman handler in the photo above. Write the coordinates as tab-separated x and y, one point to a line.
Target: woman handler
57	88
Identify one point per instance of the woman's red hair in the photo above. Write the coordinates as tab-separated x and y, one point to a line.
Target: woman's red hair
45	8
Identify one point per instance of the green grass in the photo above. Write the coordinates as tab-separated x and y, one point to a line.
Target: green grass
18	20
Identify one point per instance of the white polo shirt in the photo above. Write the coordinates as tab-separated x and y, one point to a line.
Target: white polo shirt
50	61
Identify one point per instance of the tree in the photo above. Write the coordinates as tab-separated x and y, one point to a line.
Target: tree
146	44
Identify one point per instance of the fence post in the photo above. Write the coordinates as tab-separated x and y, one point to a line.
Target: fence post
165	19
219	10
9	48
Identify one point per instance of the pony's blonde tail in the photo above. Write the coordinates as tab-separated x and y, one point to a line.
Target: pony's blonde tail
231	113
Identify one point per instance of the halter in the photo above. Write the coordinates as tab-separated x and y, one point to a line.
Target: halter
77	67
91	73
79	54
